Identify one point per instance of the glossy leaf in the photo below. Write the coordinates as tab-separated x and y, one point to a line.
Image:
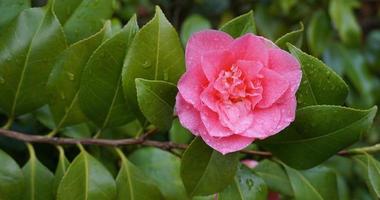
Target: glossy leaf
240	25
370	169
294	37
64	81
316	184
155	54
352	63
205	171
319	84
321	131
192	24
11	178
38	179
179	134
163	168
319	32
61	169
342	15
101	97
28	49
132	183
374	174
156	101
274	176
9	9
82	18
246	186
86	178
83	130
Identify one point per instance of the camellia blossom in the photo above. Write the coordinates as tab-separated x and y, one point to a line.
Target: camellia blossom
235	91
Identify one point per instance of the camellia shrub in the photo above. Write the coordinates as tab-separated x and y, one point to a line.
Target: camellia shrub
95	111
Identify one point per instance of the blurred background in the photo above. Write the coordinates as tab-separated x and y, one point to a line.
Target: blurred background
345	34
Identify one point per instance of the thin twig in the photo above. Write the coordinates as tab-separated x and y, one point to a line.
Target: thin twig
142	140
166	145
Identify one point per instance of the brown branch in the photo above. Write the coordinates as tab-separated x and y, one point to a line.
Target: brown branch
166	145
142	140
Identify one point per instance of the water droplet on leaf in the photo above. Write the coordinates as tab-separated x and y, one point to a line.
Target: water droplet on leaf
147	64
71	76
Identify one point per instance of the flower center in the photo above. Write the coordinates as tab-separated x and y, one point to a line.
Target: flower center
233	86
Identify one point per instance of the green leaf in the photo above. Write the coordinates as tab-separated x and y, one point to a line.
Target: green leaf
287	5
64	81
9	9
374	174
370	169
240	25
82	18
156	101
179	134
316	184
321	131
100	96
246	186
163	168
61	169
319	32
205	171
294	37
38	179
45	117
155	54
274	176
132	183
192	24
86	178
28	49
342	15
11	178
83	130
354	65
319	84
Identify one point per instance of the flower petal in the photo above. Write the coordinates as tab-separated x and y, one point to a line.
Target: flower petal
285	64
188	116
210	98
204	41
213	126
288	113
191	85
227	144
265	122
213	62
274	86
250	47
250	68
237	117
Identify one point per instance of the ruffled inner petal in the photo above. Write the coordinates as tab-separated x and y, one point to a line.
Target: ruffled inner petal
215	61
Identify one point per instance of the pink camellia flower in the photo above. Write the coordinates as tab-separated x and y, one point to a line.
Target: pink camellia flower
235	91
